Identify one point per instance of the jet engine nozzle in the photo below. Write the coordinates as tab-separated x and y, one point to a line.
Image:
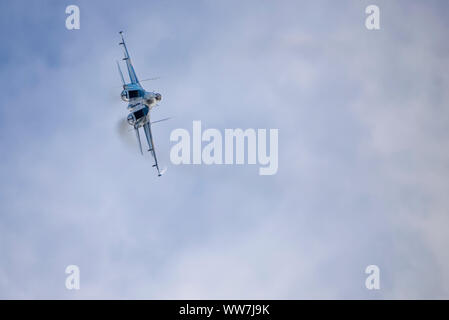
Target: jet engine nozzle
124	95
131	119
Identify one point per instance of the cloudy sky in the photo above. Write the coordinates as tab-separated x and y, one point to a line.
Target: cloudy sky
363	119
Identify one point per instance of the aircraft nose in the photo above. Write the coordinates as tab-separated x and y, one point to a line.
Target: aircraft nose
158	97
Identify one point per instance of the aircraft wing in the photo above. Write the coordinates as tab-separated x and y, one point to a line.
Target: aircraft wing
129	65
148	134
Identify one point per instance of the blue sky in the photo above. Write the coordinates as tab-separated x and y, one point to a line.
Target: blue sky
362	118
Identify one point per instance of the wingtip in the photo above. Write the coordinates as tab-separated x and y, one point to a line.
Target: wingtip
162	171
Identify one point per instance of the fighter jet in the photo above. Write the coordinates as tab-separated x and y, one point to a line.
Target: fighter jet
140	102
